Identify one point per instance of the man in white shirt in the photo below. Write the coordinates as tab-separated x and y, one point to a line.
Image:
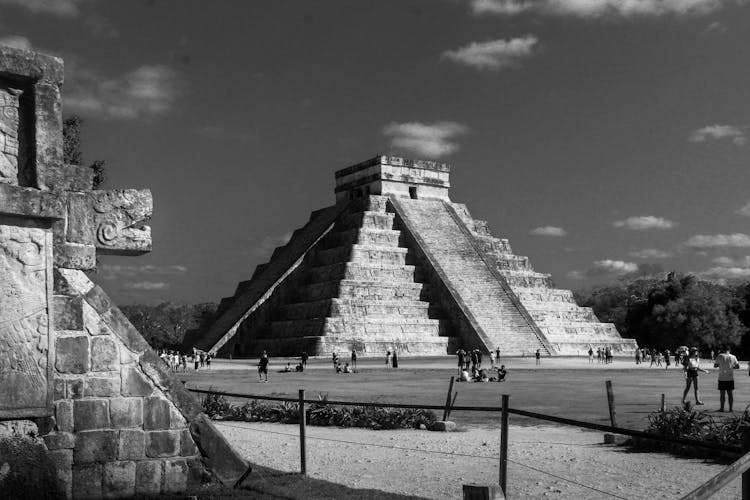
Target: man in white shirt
726	363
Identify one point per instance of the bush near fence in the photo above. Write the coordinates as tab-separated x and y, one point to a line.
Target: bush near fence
319	413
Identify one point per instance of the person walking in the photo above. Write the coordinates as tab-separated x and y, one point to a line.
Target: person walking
263	367
692	367
395	358
388	360
538	356
460	354
354	359
492	359
726	362
304	357
497	354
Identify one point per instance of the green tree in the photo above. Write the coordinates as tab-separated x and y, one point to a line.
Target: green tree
72	152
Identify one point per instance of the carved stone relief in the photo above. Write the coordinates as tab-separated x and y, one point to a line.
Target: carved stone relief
9	129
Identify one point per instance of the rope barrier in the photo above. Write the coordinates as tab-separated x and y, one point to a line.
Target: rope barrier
567	479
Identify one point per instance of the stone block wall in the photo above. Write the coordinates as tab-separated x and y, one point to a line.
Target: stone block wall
122	426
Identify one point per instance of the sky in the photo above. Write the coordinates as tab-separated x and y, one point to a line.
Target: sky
603	138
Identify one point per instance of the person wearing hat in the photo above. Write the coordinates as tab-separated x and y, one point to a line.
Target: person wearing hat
692	367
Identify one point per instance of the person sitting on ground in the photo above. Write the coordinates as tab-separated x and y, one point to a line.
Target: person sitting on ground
501	372
299	368
474	373
287	368
338	367
346	368
464	376
483	376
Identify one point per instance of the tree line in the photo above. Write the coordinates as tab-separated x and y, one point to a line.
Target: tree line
665	312
165	325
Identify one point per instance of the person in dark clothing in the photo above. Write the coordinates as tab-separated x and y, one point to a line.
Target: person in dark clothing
304	358
354	359
461	354
395	359
263	367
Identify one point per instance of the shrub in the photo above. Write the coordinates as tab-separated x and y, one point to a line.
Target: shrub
319	413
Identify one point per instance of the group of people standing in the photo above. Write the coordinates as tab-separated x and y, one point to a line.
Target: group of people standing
603	355
178	362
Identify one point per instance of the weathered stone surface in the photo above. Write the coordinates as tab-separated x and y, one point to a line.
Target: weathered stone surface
160	444
116	216
87	481
59	440
58	389
132	445
75	256
72	355
24	328
18	428
75	388
175	477
197	474
95	446
218	455
148	477
91	414
134	383
187	445
126	412
156	414
443	426
118	480
64	415
126	332
106	387
63	461
104	354
68	312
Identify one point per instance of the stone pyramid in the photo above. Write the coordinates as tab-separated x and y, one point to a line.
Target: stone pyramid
395	265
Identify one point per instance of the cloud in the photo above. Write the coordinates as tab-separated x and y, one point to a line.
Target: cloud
736	240
110	271
715	27
599	8
644	222
17	42
494	54
717	132
575	275
100	26
726	273
609	266
61	8
745	210
146	285
732	261
145	92
431	140
650	253
268	244
548	231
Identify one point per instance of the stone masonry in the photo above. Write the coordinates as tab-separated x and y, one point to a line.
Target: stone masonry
87	409
395	265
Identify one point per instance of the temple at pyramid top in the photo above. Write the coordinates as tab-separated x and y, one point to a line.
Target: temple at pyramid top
394	176
395	265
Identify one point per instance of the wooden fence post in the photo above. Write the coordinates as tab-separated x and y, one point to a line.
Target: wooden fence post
611	403
447	410
504	445
302	426
663	403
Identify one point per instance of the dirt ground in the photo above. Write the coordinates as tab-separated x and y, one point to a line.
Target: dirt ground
546	462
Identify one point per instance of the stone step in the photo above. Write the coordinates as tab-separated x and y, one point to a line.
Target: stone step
541	295
363	236
356	308
368	219
363	290
490	244
371	203
603	330
356	327
363	254
511	262
327	345
518	279
555	317
365	271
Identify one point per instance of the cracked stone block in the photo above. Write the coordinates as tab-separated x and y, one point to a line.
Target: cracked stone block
105	387
156	414
72	354
104	354
131	445
126	412
95	446
75	388
91	414
134	383
118	480
87	481
68	312
162	444
148	477
175	477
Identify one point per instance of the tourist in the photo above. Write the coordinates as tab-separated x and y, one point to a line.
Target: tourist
354	359
492	359
497	354
287	368
637	356
591	355
666	359
726	362
692	367
464	376
195	361
388	360
346	368
460	354
538	356
501	372
263	367
473	359
183	362
395	358
299	368
203	359
335	359
208	360
304	358
608	354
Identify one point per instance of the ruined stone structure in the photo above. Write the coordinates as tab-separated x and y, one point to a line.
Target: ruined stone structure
82	395
395	265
